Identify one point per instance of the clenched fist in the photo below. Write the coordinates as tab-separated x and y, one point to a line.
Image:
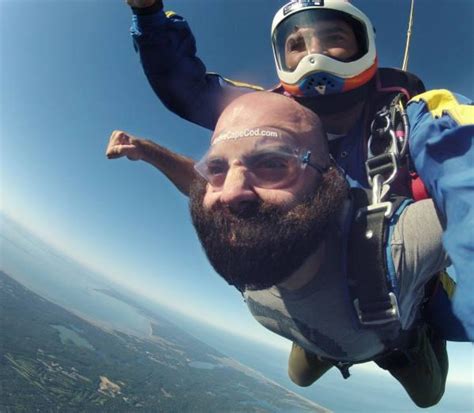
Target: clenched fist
123	144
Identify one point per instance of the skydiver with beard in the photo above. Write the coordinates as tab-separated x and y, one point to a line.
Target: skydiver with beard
274	213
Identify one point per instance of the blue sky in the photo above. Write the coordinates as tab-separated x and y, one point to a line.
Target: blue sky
69	76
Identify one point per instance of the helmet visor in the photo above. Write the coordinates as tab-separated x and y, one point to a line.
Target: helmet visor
318	31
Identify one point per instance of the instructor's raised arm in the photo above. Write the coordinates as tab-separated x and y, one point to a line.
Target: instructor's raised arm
168	55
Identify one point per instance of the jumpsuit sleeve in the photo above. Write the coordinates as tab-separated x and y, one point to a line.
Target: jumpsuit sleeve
442	150
167	51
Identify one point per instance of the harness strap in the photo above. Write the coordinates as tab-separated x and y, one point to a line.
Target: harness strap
388	142
394	89
367	275
375	303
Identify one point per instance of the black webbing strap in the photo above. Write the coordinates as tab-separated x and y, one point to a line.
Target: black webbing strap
373	298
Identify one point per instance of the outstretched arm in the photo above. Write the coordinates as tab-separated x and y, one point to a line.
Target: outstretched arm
167	50
177	168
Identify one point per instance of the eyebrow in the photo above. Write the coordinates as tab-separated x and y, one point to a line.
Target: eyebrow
283	148
215	157
332	30
322	32
295	29
280	147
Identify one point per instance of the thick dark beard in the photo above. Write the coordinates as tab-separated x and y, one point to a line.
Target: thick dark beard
260	245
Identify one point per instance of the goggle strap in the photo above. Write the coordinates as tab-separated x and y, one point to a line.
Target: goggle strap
306	160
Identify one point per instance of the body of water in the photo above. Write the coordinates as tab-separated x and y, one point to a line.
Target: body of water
63	281
66	334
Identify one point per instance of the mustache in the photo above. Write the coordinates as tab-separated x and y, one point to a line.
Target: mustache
246	211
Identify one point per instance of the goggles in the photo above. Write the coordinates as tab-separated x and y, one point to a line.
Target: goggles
267	167
297	33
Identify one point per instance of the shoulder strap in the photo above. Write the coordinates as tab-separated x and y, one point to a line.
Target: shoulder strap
389	132
399	81
387	84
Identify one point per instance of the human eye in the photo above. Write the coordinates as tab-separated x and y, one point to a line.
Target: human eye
270	161
272	168
331	39
216	167
296	44
274	162
336	38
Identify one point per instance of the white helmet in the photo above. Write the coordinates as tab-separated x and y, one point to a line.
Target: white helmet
317	74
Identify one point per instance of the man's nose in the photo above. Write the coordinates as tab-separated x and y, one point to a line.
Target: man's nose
237	189
313	44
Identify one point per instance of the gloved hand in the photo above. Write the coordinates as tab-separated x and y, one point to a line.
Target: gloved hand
140	4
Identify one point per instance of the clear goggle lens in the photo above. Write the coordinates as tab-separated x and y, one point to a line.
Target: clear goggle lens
266	168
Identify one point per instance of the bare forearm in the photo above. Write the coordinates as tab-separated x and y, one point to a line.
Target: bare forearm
178	169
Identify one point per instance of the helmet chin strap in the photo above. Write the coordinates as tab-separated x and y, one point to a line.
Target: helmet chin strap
338	102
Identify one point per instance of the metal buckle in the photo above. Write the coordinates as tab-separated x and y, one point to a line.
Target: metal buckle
387	206
387	316
381	164
379	191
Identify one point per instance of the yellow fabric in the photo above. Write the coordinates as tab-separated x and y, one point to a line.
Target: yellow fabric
236	83
441	101
449	285
170	14
243	84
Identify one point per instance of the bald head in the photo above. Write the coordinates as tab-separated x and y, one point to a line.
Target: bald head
271	110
